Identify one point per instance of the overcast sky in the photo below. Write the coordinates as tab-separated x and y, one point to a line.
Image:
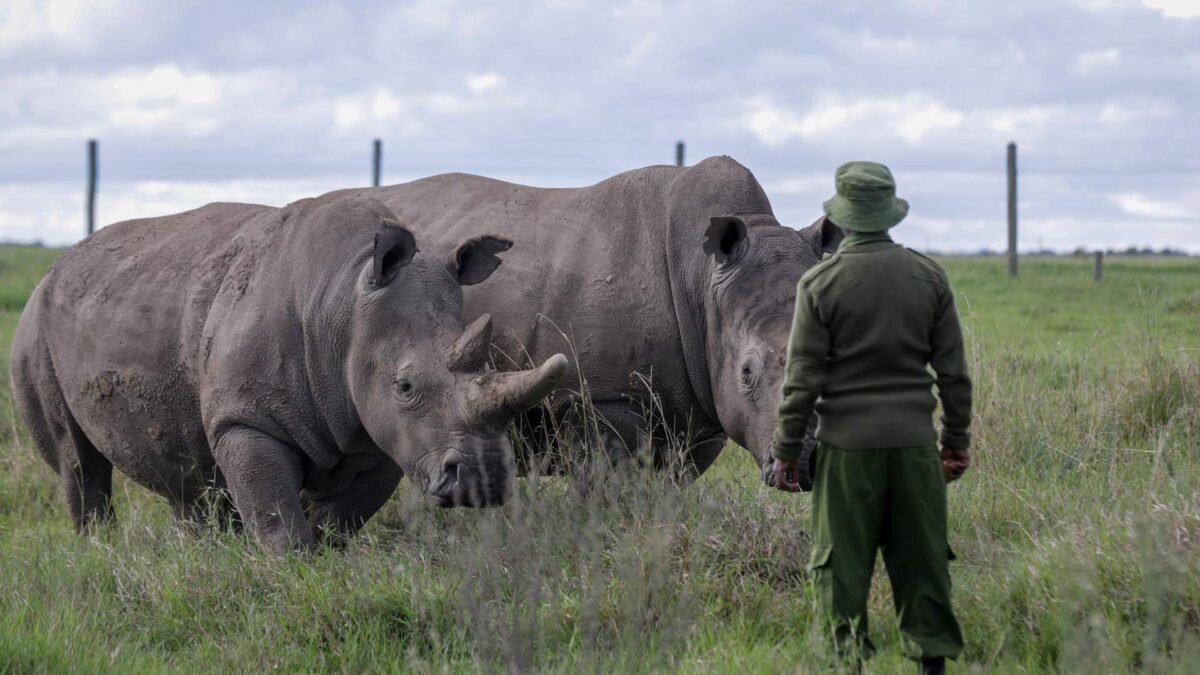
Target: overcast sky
202	101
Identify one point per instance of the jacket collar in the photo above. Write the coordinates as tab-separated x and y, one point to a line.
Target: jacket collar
855	240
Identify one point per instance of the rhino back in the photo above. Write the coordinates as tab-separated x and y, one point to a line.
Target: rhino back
121	315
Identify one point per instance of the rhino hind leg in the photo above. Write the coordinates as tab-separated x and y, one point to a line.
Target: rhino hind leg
86	474
87	482
210	507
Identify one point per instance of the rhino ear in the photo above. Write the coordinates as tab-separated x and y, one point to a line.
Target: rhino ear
726	239
395	247
831	236
823	236
475	259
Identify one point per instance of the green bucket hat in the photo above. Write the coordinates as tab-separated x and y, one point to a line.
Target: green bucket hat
866	198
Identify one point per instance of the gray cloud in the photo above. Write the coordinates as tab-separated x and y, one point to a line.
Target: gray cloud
198	101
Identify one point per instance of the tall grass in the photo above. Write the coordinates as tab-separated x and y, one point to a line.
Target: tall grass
1076	532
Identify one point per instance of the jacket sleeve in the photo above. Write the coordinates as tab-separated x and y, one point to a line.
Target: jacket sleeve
804	376
950	364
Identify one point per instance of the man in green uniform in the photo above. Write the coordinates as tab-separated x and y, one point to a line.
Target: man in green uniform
869	322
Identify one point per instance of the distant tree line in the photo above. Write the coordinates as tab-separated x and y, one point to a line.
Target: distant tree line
1081	252
1134	250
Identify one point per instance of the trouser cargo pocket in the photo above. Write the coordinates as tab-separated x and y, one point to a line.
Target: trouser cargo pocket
821	556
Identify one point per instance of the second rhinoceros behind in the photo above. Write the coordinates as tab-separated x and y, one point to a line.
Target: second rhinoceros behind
675	288
306	351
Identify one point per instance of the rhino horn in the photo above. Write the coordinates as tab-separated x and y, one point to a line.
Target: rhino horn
470	350
502	395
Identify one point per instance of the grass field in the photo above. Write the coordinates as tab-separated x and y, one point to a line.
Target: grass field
1077	533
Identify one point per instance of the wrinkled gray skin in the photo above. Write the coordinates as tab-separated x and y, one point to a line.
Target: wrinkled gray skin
305	358
682	274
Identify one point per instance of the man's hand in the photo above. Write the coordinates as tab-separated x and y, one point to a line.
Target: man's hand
955	463
786	475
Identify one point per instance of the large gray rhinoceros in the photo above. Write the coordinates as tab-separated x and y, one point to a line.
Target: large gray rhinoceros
305	352
681	275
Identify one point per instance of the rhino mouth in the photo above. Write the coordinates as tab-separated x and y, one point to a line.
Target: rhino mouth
471	484
808	465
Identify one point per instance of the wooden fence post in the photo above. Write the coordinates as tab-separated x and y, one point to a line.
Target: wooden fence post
1012	209
1098	266
679	153
92	166
377	161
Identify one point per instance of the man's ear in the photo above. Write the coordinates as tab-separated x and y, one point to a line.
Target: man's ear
831	236
395	247
475	259
726	239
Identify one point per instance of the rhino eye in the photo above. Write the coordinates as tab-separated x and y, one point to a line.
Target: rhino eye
749	373
405	386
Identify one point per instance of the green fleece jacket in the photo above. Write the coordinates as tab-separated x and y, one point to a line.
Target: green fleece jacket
869	322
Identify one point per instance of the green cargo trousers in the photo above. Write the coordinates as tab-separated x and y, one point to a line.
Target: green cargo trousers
894	499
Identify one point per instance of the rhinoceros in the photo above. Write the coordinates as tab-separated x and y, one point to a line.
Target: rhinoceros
305	358
674	287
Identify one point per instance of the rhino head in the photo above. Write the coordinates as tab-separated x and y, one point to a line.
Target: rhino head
756	265
416	375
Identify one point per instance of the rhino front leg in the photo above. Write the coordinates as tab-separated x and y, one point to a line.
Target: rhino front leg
700	455
626	426
264	477
341	515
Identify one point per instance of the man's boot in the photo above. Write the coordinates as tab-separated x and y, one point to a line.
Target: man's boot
933	666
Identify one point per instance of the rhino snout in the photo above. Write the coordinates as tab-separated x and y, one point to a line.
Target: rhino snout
467	481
